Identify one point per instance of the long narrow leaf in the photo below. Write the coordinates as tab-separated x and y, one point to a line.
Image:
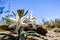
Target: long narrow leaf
13	13
26	12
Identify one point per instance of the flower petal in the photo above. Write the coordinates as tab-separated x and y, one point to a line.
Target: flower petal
23	18
17	16
10	19
12	25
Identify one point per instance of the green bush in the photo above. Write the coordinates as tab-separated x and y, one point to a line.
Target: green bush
56	30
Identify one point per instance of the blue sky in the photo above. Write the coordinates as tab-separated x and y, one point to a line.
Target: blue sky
48	9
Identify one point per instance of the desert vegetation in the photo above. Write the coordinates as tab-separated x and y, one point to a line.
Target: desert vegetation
22	27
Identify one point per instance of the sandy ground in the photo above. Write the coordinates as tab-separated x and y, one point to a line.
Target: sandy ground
50	36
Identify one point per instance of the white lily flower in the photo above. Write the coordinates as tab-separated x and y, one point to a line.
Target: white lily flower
32	20
18	21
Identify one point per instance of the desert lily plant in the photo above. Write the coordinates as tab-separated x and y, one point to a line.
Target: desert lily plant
20	16
32	20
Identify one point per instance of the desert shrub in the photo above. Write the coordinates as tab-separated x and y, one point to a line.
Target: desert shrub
56	30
